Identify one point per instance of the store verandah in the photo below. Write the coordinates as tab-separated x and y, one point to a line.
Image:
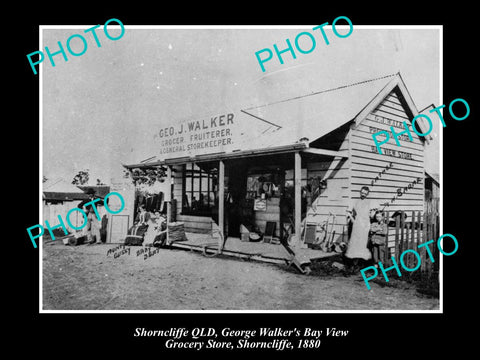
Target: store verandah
261	192
208	244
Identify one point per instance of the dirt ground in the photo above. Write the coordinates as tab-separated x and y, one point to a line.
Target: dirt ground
87	277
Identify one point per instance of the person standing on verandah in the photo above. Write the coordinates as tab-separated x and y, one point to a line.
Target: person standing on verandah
360	214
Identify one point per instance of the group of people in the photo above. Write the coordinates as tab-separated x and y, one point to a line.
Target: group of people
147	228
368	236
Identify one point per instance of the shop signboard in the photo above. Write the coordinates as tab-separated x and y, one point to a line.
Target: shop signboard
207	135
260	205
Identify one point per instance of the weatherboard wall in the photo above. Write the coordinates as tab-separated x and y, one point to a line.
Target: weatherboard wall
329	208
401	185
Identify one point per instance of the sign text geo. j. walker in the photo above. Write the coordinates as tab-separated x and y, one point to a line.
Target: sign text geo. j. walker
197	136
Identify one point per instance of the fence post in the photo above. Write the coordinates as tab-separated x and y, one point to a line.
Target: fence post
397	240
436	220
419	240
386	252
406	242
428	217
412	236
402	233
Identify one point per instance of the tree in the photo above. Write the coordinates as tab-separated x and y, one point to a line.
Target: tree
44	179
81	178
99	182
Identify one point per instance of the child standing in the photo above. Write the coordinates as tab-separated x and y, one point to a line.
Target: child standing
378	232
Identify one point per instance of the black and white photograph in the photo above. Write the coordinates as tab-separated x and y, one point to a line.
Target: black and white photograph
242	168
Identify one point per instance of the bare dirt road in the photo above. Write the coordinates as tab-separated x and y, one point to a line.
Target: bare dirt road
86	278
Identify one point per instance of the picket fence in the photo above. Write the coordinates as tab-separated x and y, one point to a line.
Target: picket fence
408	232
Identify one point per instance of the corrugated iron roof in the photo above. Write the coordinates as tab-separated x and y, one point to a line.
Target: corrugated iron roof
61	190
100	190
315	115
63	196
310	116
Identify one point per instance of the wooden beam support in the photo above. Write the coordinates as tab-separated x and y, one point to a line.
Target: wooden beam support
340	154
298	195
221	196
235	154
168	199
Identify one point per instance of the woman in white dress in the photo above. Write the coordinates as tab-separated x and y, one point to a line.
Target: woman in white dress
360	215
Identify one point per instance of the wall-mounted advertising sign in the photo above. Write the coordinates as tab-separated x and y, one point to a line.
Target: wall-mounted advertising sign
196	137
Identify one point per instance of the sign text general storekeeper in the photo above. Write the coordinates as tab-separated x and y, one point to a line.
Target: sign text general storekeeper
190	136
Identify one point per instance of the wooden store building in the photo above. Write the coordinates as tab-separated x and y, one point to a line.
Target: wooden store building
282	166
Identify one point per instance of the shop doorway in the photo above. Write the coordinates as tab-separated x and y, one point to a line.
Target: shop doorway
254	193
235	206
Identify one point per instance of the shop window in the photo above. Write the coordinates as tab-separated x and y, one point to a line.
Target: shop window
200	190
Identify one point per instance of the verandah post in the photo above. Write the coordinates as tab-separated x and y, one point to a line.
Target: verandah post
298	195
221	196
169	200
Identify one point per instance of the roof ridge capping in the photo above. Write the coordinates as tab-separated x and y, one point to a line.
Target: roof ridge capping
325	91
360	82
397	81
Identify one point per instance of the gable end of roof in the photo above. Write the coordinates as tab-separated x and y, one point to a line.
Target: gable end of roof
397	86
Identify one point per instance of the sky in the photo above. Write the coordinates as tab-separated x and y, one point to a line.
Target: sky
102	108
